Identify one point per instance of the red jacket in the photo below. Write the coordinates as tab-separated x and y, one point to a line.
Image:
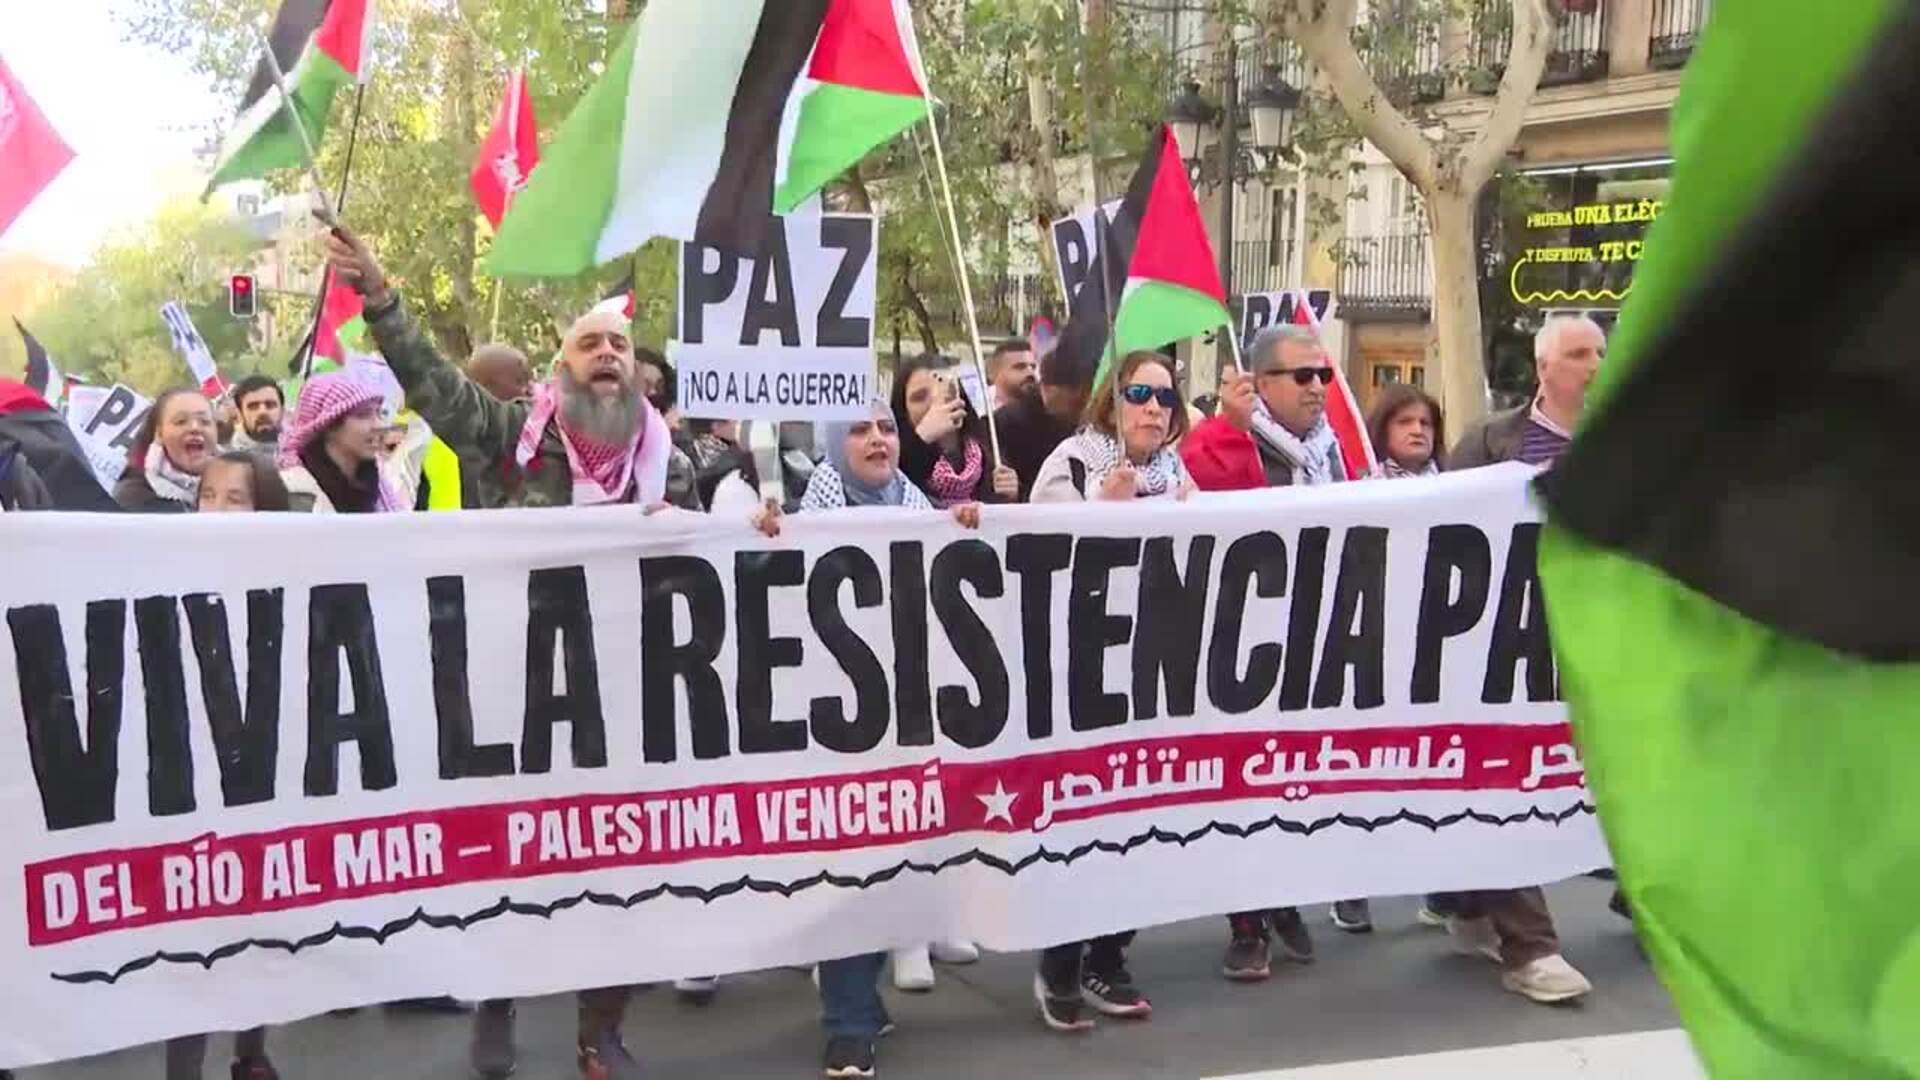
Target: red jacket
1221	457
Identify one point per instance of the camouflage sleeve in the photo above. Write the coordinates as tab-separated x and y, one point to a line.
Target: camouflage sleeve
464	416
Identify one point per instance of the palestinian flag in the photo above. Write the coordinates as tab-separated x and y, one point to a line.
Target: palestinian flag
333	55
1732	561
710	118
342	325
43	376
1170	288
620	298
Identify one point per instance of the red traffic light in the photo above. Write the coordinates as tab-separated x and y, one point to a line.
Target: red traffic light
240	299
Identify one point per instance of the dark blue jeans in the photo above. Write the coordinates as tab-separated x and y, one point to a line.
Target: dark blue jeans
850	995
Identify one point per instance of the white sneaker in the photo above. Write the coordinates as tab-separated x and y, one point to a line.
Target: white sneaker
1474	937
913	969
1547	980
698	990
955	951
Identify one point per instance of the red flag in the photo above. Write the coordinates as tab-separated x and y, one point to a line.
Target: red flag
510	151
31	153
341	307
1343	409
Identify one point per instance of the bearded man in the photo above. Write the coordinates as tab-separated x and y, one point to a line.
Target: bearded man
585	437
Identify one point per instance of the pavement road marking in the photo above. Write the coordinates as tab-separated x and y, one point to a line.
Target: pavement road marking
1645	1055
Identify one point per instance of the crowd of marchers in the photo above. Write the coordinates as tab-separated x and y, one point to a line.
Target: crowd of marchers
602	429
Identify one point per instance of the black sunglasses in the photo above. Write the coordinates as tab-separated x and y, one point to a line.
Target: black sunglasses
1304	375
1141	393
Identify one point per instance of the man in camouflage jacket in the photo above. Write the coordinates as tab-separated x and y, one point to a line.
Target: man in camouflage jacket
479	426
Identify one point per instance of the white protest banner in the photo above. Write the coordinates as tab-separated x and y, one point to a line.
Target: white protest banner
114	419
1075	243
269	766
1259	310
787	335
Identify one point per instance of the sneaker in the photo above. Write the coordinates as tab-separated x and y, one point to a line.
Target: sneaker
1547	980
608	1059
256	1068
1426	916
1353	916
1618	905
1291	932
848	1058
491	1053
1474	937
698	990
913	969
1113	993
1061	1010
955	951
1249	957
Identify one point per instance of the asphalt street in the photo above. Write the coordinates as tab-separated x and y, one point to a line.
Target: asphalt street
1399	993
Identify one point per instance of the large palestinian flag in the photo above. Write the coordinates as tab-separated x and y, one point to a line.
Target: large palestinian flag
712	116
1733	554
1170	288
334	38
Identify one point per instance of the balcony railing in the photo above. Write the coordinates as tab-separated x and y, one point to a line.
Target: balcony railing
1674	29
1385	274
1259	266
1579	48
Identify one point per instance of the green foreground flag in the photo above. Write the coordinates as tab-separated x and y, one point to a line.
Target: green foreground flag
263	138
1733	553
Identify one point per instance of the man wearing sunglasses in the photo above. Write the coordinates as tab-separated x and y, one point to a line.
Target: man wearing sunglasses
1271	429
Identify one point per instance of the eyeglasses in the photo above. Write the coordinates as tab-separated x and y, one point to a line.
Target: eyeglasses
1304	375
1141	393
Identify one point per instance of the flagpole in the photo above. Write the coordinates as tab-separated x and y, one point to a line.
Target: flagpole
299	126
339	202
966	289
1100	229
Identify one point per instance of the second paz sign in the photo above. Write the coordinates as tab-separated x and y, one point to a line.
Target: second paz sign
787	334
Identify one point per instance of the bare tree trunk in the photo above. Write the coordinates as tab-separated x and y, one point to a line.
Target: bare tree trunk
918	305
1046	181
1449	181
1456	308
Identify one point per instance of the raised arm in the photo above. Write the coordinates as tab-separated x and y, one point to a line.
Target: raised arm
463	415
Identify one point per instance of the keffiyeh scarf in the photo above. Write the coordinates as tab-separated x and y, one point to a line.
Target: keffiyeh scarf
1101	453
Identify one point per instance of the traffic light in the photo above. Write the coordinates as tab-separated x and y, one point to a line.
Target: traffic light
240	298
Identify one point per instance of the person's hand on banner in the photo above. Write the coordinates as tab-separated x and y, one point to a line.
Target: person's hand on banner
1122	483
943	418
767	518
1236	399
968	515
1187	487
355	264
1006	483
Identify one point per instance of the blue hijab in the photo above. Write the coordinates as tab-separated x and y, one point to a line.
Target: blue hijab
858	492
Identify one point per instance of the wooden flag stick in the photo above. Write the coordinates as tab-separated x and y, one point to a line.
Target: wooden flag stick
966	289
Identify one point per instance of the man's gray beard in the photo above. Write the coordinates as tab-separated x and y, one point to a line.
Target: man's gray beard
613	420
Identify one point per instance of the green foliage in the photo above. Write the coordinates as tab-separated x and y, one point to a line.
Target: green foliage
106	324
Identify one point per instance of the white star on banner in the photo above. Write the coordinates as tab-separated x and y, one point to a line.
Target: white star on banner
999	802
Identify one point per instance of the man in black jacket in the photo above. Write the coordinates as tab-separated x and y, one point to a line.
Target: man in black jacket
40	437
1040	417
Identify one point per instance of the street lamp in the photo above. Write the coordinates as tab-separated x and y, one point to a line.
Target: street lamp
1192	117
1271	107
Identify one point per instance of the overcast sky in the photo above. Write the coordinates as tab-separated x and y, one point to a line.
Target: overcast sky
133	116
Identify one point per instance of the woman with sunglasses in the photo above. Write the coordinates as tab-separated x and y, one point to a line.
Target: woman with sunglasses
1124	452
1125	449
862	469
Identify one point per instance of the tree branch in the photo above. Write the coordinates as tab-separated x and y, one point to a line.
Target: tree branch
1533	28
1323	30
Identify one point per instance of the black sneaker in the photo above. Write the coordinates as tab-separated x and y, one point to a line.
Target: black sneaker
1353	916
848	1058
1113	993
1249	958
1619	906
1291	931
1061	1010
249	1068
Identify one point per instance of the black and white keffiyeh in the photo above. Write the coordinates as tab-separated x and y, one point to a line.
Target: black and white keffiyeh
1101	453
